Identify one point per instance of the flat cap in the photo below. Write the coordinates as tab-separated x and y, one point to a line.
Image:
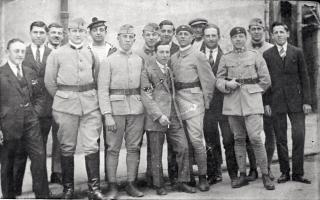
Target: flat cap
152	27
198	21
126	29
184	28
77	23
237	30
256	22
96	23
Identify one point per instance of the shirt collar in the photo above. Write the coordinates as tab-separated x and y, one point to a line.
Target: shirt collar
50	46
213	50
243	49
161	66
185	48
285	46
12	65
75	46
35	46
125	52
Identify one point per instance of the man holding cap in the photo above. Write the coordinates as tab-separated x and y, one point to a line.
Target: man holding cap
194	83
243	76
120	104
151	35
197	26
71	79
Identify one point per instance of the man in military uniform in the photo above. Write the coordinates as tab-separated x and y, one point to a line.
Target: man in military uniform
151	36
243	76
166	35
194	83
258	43
70	78
197	26
163	119
120	103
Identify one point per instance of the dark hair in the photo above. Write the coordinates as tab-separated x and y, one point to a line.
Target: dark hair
39	24
14	40
159	43
212	26
55	25
279	24
166	22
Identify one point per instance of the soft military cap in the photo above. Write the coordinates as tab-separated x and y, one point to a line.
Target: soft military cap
256	22
126	29
198	21
96	23
237	30
77	23
152	27
184	28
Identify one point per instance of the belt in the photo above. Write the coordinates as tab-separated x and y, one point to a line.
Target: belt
245	80
77	88
132	91
181	85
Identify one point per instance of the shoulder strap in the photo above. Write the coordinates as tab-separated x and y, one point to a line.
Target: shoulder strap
93	65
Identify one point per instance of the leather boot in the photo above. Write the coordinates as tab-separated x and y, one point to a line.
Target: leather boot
242	181
267	182
92	167
192	182
203	183
184	187
113	191
67	167
253	175
132	190
270	174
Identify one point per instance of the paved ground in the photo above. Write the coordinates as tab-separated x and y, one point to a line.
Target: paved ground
290	190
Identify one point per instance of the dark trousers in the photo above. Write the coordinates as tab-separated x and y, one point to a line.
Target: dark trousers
298	136
21	158
31	144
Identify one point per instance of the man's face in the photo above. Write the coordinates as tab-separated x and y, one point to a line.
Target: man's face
98	34
55	35
77	35
280	35
126	40
150	38
211	38
38	35
16	52
256	33
198	31
166	33
163	54
184	38
239	40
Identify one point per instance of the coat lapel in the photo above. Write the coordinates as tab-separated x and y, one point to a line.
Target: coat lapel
12	79
277	57
289	55
216	63
31	59
160	74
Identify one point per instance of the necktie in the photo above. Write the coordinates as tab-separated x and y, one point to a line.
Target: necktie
282	53
19	74
38	54
257	45
211	61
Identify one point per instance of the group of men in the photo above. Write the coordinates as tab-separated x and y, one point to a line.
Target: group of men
166	90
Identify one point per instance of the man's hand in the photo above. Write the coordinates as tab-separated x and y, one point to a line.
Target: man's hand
267	110
109	123
1	138
164	121
233	84
306	108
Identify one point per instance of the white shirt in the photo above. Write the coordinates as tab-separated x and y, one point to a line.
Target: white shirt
101	51
214	53
285	46
197	44
185	48
34	51
14	68
162	67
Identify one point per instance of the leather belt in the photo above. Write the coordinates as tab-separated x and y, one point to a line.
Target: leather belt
132	91
181	85
245	80
77	88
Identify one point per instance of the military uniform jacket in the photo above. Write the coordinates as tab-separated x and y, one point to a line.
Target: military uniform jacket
158	96
290	80
75	67
246	99
192	66
121	70
146	54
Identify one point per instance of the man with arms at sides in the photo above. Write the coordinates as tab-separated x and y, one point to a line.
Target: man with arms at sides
243	76
194	83
36	59
258	43
20	103
55	36
166	35
163	119
120	103
197	26
289	96
70	79
213	116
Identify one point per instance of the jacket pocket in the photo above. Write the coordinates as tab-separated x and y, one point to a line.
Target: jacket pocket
63	95
254	89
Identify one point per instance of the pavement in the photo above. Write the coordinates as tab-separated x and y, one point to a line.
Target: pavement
223	190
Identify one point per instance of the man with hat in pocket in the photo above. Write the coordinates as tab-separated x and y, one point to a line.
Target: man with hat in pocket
70	78
243	76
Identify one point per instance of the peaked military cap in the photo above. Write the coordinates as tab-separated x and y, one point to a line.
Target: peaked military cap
126	29
96	23
184	28
77	23
256	22
237	30
198	21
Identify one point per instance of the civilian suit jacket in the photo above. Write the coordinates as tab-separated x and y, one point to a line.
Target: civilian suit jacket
217	99
40	68
174	48
289	79
11	97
